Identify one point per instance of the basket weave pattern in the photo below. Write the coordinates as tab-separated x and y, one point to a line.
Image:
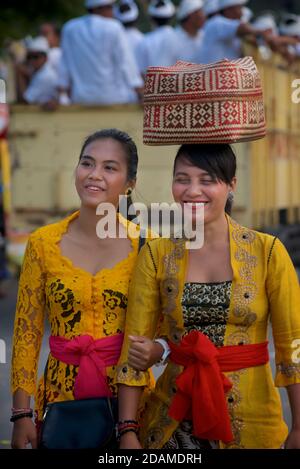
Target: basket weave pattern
214	103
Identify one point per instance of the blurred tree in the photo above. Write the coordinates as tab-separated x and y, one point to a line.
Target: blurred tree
19	18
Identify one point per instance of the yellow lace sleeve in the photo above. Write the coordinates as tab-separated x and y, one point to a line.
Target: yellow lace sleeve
29	319
284	302
142	315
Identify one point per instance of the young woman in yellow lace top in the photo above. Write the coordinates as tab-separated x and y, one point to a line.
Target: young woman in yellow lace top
74	278
213	306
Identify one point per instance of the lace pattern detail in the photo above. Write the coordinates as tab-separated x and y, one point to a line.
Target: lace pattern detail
183	438
76	302
29	321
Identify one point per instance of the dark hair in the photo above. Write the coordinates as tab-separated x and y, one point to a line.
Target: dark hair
129	148
160	21
218	161
127	143
124	7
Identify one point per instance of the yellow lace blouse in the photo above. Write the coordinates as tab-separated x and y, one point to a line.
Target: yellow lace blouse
75	302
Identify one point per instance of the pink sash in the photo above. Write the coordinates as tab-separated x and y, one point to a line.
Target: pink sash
92	356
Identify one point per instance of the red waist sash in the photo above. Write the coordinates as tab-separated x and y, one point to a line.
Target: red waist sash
202	386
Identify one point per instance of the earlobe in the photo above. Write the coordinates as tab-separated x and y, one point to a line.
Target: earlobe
232	185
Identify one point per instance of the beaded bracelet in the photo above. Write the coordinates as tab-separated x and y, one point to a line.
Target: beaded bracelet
126	430
124	426
21	416
127	421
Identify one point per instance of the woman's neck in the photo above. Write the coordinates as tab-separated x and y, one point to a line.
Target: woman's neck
216	231
87	222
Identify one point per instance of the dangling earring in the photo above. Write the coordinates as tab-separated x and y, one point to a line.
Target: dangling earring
230	196
129	191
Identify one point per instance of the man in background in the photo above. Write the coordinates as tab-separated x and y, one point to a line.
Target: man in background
36	79
97	65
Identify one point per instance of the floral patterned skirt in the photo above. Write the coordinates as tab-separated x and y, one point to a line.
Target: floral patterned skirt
183	438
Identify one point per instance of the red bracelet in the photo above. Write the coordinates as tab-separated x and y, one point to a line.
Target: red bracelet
126	430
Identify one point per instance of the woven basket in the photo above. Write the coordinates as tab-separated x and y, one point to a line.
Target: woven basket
221	102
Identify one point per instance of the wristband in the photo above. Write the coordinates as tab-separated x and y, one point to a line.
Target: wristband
166	351
21	416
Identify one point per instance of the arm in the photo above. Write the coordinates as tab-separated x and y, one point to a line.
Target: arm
23	76
28	333
245	28
64	77
24	431
141	320
129	398
143	352
293	440
125	60
284	300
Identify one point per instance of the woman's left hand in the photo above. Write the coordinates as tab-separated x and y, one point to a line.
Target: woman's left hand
293	439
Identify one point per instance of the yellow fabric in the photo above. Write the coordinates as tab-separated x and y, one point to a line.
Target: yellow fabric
264	287
76	303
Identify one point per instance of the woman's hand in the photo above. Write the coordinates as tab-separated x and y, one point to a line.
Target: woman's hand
24	432
143	353
293	439
129	441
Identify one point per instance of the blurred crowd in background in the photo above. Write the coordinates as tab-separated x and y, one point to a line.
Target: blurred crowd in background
101	57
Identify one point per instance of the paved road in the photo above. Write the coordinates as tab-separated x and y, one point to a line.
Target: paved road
7	308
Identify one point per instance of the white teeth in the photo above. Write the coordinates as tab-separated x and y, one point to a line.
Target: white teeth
195	203
93	188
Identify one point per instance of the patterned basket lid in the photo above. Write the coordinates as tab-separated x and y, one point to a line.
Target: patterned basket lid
221	102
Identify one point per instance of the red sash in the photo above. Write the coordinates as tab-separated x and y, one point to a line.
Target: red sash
202	386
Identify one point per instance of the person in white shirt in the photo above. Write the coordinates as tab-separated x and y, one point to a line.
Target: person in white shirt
223	31
247	14
210	8
265	22
52	33
159	47
98	66
127	12
189	33
290	27
36	79
272	41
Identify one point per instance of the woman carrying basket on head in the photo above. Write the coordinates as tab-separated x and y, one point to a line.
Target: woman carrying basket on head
210	307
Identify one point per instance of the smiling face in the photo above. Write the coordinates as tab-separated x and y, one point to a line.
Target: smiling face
101	174
193	185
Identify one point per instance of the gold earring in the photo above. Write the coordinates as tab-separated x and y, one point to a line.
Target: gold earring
129	191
